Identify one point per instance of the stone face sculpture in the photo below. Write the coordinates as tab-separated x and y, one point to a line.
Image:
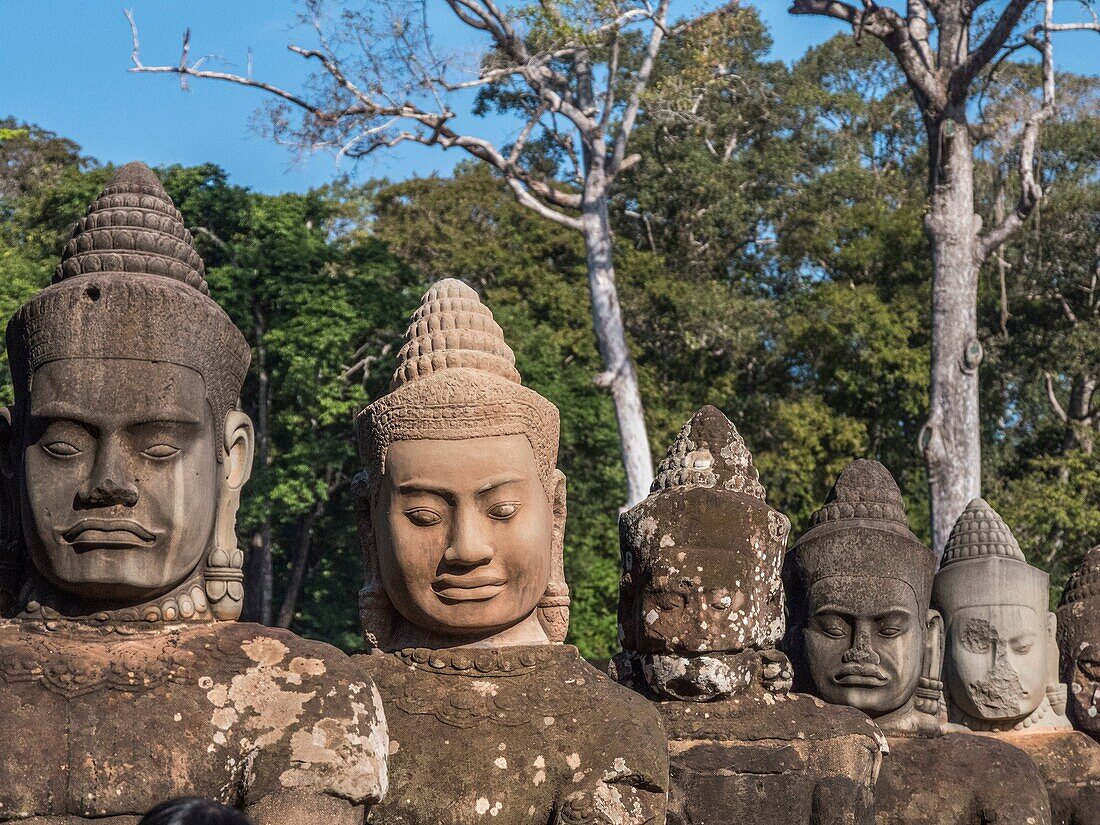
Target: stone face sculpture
125	456
462	515
1001	660
1079	644
863	634
700	610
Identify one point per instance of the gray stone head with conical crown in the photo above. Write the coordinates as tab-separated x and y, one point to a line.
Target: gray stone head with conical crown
859	586
124	446
1001	656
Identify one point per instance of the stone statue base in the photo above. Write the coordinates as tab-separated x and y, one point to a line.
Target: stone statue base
763	759
959	779
524	734
1070	764
105	721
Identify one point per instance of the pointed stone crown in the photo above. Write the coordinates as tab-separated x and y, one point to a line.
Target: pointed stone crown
133	227
982	564
709	452
862	530
130	286
1084	584
452	329
980	532
864	490
456	379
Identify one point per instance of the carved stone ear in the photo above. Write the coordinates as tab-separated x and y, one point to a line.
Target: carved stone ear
933	646
930	697
553	609
240	445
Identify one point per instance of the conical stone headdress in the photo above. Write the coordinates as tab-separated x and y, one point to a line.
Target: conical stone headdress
1079	609
983	565
706	541
456	379
862	530
130	285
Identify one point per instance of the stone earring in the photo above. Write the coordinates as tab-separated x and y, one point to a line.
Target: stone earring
224	579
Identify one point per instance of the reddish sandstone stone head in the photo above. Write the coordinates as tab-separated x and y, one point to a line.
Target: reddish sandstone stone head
461	506
702	554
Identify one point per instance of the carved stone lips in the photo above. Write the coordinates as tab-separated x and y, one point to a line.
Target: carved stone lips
856	675
108	533
468	588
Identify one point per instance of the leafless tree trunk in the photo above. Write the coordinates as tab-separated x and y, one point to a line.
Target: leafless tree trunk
543	60
941	72
301	559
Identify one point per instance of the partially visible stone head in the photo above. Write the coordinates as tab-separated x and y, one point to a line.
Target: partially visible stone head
124	443
1000	652
461	506
702	554
859	586
1079	643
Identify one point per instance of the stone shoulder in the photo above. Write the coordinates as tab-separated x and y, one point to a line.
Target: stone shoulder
760	715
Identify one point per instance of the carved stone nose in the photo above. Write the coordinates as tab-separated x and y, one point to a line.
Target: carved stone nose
861	652
109	492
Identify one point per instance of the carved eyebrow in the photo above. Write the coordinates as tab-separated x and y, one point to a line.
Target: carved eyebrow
411	488
835	609
63	411
498	482
893	614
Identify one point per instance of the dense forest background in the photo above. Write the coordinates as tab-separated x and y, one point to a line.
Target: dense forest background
771	260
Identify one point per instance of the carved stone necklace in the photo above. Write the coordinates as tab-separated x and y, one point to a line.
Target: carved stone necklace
478	662
1043	717
187	602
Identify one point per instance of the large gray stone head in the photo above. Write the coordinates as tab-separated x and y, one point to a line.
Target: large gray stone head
124	446
1001	657
859	587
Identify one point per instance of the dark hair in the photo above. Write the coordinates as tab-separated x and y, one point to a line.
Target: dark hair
193	811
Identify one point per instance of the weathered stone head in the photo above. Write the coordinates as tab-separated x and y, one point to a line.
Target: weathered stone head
461	507
1001	657
1079	643
859	586
702	556
124	446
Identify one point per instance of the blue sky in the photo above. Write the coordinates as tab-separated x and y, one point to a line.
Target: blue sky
63	65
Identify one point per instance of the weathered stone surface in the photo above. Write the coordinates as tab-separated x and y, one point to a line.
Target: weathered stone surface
863	634
123	680
701	608
515	734
462	515
959	779
1079	643
116	719
1070	765
1001	664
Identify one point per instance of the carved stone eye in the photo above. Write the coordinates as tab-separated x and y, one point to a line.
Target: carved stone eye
160	451
61	449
